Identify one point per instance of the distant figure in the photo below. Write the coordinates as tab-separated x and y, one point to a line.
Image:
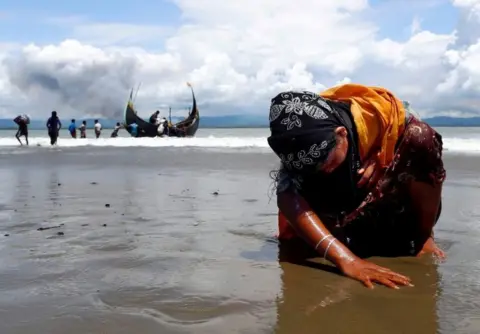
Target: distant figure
72	128
83	129
22	122
53	126
154	119
162	126
98	128
115	130
133	129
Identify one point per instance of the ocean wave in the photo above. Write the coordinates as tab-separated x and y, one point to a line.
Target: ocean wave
211	141
450	144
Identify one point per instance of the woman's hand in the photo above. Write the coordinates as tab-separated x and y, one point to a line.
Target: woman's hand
370	174
431	247
369	273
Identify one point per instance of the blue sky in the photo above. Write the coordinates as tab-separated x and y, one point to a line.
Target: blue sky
28	21
393	16
25	21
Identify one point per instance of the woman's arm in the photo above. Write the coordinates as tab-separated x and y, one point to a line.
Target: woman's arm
309	226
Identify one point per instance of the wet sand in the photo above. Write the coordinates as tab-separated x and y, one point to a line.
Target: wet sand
185	246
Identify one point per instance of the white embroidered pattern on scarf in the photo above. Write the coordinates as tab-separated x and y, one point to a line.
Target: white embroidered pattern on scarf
303	157
293	107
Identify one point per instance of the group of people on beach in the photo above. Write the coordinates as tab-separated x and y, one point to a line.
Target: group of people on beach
54	125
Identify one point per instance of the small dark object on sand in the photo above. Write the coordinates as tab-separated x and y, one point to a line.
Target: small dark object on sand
7	235
59	184
107	205
48	228
93	183
104	225
84	224
215	193
60	233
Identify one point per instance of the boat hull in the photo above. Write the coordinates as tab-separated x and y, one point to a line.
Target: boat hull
185	128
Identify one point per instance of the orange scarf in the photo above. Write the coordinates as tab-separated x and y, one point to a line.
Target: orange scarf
378	115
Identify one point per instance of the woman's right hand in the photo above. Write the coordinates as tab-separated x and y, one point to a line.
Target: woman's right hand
369	273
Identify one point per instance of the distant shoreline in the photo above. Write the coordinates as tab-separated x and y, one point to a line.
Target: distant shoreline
238	122
244	127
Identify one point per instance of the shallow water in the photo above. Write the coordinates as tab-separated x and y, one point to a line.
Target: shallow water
170	255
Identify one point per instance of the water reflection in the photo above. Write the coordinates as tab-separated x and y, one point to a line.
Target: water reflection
313	297
22	184
53	186
21	190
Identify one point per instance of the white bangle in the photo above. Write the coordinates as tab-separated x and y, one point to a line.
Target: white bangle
325	237
326	249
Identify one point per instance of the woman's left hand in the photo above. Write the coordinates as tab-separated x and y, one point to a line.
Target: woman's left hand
370	174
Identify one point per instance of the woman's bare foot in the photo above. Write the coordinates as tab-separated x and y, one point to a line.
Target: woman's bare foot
431	247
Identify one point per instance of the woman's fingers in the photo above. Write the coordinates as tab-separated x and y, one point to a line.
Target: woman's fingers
366	175
386	282
392	280
367	282
440	254
399	279
386	273
369	274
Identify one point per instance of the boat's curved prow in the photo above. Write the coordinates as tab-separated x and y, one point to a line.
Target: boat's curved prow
189	126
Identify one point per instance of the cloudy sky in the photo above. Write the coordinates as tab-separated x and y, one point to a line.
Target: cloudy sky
83	57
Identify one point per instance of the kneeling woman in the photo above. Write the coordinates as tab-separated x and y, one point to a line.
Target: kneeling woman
359	176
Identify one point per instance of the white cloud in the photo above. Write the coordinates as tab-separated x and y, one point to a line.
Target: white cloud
240	54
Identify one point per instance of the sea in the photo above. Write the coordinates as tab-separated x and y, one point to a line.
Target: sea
176	235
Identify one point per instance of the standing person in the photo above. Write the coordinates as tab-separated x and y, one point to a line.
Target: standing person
83	129
359	177
155	117
53	125
72	128
22	122
115	130
162	127
98	128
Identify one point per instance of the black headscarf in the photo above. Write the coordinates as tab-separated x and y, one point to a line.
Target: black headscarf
302	126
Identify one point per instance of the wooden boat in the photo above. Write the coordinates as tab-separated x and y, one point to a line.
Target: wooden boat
185	128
